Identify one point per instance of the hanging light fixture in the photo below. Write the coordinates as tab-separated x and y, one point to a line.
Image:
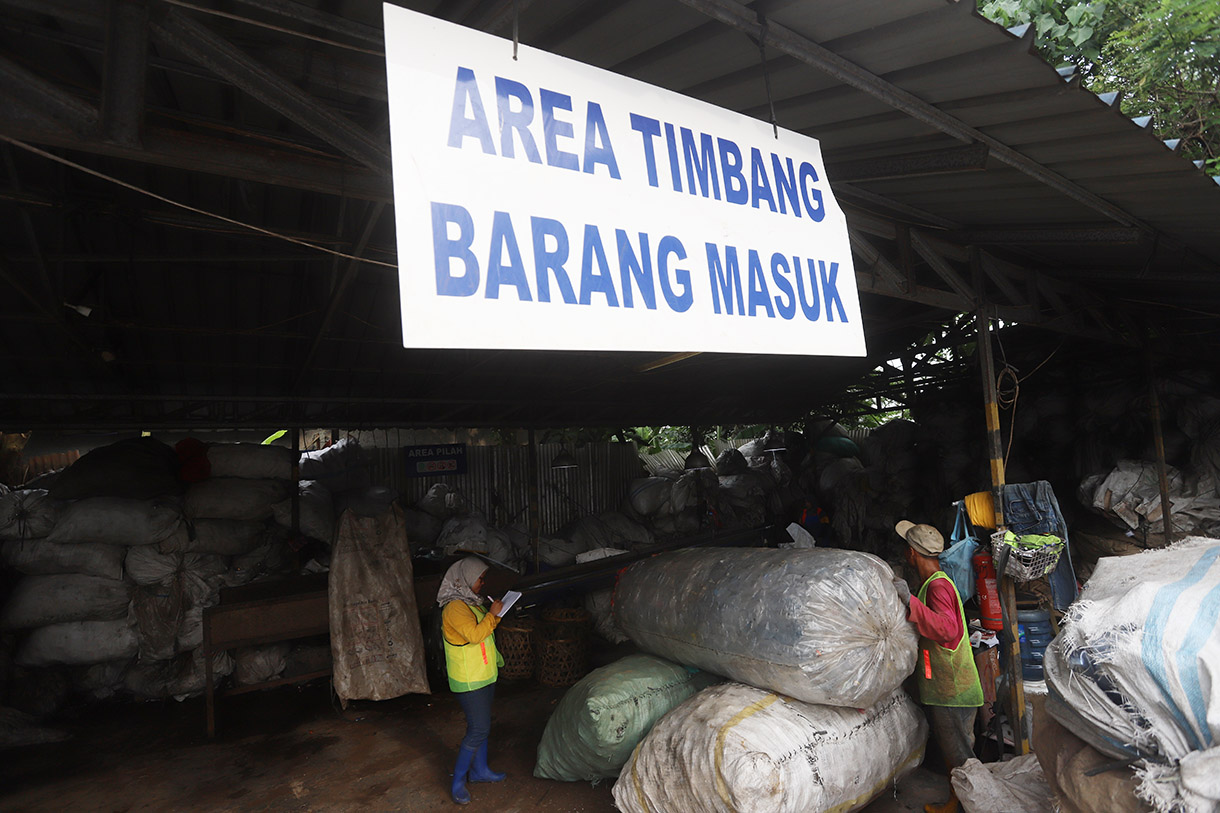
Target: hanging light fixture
696	459
564	460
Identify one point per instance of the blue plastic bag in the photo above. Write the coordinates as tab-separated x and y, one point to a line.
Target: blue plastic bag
956	559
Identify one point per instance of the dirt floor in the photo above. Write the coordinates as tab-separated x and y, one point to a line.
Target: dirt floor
290	749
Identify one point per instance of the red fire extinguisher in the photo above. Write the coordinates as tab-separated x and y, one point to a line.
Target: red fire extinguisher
988	592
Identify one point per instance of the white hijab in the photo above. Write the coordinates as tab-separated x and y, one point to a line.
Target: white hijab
458	584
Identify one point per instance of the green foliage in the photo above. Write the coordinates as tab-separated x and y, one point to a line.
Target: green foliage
653	439
1163	55
272	438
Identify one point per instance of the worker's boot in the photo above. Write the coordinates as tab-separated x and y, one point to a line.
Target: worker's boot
950	806
479	772
458	791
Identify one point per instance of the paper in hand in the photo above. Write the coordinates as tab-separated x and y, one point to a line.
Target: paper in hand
510	598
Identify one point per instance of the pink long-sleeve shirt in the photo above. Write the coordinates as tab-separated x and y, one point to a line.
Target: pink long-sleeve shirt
938	619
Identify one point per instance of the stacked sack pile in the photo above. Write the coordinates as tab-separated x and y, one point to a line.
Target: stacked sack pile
814	646
444	518
122	552
743	488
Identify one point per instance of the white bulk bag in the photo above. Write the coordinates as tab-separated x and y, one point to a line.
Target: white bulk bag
41	600
181	677
234	498
117	521
38	557
258	664
649	496
28	514
733	748
251	461
821	625
375	635
316	512
1146	631
599	603
77	643
225	537
147	565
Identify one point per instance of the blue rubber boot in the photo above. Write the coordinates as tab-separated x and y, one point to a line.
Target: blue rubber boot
479	772
458	791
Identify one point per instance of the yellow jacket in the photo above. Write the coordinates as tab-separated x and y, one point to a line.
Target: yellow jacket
471	658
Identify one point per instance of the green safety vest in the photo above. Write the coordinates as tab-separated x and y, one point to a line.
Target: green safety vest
948	677
472	666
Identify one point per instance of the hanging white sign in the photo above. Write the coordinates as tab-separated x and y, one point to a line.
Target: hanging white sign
545	204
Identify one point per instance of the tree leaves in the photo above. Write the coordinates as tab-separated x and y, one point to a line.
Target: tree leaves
1164	55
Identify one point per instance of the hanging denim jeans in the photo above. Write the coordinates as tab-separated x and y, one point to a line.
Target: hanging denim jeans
1031	508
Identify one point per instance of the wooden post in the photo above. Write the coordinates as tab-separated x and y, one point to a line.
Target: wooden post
1008	591
533	498
1158	439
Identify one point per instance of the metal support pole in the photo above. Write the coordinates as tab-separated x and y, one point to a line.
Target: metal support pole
123	71
533	497
1158	439
1008	591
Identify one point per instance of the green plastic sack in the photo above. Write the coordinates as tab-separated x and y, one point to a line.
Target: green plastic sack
602	718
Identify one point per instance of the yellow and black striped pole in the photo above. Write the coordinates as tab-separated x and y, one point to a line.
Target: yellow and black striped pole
1008	592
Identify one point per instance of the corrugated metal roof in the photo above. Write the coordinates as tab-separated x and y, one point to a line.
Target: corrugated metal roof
207	325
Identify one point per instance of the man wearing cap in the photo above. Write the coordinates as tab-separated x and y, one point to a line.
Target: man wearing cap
948	680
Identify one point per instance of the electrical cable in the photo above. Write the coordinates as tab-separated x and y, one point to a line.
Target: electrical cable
762	53
515	19
1007	401
259	229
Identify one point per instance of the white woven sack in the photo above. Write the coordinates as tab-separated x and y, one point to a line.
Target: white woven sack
147	565
600	603
28	514
78	643
257	664
38	557
1015	786
234	498
251	461
1148	625
733	748
41	600
225	537
117	521
316	512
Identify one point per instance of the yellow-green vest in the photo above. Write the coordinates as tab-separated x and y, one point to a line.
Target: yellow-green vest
948	677
472	666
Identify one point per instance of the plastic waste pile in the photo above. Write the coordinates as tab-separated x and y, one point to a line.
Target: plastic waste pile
124	550
1131	670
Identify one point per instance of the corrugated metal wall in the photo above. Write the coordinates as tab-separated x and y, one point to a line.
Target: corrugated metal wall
497	479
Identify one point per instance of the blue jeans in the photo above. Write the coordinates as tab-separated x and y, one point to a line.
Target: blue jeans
1031	508
477	707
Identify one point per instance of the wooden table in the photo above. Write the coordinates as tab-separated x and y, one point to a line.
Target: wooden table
280	616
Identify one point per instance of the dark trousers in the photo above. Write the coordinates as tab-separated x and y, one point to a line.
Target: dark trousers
953	729
477	707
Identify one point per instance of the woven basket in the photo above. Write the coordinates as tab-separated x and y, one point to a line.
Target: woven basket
515	641
573	622
562	661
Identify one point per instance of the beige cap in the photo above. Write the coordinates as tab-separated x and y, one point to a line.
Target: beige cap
923	538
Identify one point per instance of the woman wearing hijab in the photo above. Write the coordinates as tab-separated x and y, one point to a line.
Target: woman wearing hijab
472	663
